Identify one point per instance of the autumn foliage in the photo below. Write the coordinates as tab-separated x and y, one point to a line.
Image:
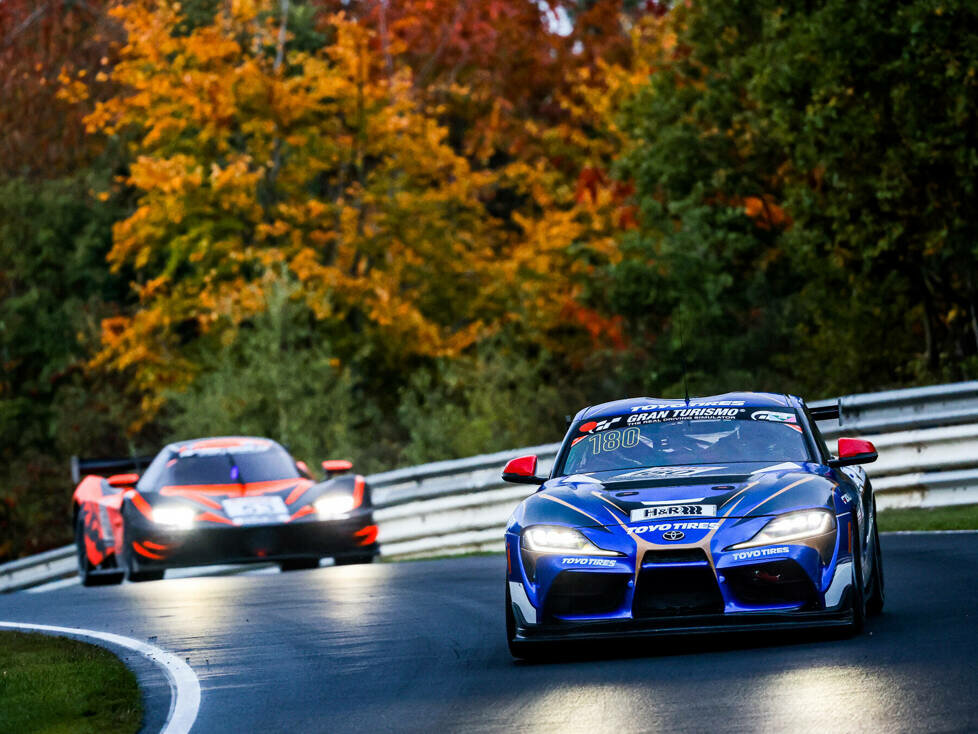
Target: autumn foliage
254	160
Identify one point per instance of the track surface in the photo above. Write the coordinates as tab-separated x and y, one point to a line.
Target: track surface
419	647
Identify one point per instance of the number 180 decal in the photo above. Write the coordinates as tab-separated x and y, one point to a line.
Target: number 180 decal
623	438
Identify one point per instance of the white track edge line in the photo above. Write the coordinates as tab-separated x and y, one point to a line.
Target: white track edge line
184	686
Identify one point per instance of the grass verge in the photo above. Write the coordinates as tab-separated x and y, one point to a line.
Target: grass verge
54	685
958	517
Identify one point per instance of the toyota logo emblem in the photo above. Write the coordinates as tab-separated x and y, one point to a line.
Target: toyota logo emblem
674	535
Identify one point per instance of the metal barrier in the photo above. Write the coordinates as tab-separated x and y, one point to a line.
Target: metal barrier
927	440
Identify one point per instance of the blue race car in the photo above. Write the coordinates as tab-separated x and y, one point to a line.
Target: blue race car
717	513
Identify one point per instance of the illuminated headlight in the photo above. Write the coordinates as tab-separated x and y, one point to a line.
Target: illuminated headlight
334	505
180	518
556	539
793	526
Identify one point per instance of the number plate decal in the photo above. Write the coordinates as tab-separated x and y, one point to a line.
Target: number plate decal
266	510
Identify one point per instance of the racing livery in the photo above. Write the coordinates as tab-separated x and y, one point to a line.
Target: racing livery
220	500
717	513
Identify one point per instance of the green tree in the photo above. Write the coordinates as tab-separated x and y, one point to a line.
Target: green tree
54	291
805	174
279	379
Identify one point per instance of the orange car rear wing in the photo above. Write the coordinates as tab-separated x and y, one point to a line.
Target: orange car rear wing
81	467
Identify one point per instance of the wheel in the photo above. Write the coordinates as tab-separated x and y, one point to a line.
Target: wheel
877	593
87	574
133	573
298	564
354	559
857	592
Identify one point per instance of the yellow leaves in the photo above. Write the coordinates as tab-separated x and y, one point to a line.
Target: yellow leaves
244	10
72	89
165	175
329	172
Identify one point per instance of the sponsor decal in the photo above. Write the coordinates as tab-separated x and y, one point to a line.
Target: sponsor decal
667	406
668	472
684	414
759	553
657	511
666	527
673	535
596	426
773	416
601	562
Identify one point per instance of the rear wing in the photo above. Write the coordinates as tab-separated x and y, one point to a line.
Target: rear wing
81	467
825	412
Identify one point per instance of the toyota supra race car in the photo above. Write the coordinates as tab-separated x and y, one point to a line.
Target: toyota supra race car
667	516
220	500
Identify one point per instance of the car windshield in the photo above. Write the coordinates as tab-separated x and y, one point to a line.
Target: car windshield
685	436
244	463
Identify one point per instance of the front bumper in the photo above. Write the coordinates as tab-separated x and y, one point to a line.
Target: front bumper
155	548
663	591
690	625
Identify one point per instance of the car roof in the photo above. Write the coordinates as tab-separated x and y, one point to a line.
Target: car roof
750	399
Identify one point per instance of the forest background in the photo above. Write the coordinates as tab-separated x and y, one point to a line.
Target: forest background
416	230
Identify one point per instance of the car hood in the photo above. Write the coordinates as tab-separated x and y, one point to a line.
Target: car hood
731	490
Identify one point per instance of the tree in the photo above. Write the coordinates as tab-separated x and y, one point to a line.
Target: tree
54	291
249	156
804	166
41	42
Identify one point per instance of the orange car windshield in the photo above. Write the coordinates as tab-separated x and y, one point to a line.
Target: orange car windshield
228	467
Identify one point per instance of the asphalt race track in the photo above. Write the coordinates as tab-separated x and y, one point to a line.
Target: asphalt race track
420	647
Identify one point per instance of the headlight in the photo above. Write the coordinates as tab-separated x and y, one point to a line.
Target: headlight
556	539
792	526
180	518
334	505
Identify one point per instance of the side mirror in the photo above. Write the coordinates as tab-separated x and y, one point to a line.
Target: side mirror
303	469
522	471
854	451
332	467
122	480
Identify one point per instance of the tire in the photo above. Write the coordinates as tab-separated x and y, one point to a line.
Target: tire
354	559
87	574
857	593
877	593
133	574
298	564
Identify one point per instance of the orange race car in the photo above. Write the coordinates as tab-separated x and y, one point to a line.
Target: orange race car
219	500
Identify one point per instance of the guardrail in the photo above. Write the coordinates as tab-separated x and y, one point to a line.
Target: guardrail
927	439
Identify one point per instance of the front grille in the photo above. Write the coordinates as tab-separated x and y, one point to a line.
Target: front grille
773	582
582	594
684	555
676	590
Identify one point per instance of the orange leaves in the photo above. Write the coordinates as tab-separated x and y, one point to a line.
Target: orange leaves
358	174
330	176
766	213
